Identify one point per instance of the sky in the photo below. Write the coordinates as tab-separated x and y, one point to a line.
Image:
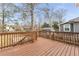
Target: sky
72	10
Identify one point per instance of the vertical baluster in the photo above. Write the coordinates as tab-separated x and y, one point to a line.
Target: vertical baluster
54	35
12	38
50	35
4	40
61	37
64	37
74	38
7	39
77	39
16	37
69	38
1	42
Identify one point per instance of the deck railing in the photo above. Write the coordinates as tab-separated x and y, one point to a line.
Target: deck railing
67	37
14	38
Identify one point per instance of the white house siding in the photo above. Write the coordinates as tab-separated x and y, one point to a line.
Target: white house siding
76	27
66	26
61	28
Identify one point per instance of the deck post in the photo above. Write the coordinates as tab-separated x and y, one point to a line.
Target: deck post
34	36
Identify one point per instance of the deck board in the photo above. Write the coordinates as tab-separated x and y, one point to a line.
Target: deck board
72	51
61	51
68	51
76	51
42	47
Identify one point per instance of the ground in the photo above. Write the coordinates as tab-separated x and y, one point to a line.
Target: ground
42	47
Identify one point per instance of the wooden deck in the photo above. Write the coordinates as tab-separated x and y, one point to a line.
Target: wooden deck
42	47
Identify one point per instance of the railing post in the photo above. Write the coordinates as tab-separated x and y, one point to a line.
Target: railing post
34	36
1	42
49	34
53	35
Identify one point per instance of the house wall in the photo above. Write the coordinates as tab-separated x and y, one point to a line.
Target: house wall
63	28
66	26
76	27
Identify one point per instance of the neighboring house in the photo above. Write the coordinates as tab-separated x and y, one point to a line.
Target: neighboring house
9	28
48	29
70	26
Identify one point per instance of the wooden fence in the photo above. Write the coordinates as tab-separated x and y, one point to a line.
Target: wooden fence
67	37
14	38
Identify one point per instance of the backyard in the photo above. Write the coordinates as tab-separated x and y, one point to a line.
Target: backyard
49	29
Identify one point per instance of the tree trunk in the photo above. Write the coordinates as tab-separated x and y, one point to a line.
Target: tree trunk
32	17
3	17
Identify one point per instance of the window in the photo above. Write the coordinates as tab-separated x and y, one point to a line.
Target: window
66	29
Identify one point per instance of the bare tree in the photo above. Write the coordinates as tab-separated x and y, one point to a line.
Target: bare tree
7	11
59	14
32	7
48	13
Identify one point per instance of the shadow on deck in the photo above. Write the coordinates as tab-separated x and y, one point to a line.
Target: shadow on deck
42	47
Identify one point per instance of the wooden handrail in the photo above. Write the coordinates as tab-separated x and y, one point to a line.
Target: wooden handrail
14	38
67	37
